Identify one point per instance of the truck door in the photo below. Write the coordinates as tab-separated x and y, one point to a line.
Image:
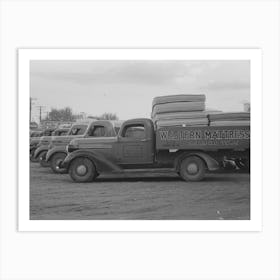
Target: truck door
136	144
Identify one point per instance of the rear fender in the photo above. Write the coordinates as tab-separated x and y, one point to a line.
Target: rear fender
39	150
54	150
209	161
102	163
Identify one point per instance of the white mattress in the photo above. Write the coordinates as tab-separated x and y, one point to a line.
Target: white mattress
229	116
180	115
178	107
231	123
182	122
178	98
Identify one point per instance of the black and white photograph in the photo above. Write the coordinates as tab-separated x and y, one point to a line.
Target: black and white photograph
140	139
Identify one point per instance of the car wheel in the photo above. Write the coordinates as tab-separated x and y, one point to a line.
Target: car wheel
192	168
82	170
55	161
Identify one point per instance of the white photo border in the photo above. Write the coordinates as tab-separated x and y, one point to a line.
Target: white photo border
24	58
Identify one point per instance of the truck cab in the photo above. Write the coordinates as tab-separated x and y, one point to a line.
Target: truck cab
133	147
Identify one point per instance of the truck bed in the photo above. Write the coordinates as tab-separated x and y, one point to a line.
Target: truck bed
205	138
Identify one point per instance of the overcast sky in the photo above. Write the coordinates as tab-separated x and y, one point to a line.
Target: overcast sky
128	87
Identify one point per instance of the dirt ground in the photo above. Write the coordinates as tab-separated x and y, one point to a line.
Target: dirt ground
142	195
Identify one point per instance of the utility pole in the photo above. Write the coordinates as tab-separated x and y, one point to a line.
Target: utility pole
31	99
40	109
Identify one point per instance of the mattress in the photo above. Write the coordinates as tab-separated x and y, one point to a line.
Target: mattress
178	98
229	116
231	123
182	122
178	107
184	115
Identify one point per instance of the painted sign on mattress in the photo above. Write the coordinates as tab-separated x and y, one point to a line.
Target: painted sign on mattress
182	137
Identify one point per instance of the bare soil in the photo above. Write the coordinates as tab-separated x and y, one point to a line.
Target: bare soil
138	196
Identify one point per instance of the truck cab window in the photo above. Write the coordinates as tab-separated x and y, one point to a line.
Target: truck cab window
134	131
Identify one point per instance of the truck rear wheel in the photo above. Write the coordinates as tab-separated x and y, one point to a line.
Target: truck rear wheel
192	168
82	170
55	161
42	159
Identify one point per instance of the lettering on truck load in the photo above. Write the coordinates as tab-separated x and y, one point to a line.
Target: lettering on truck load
208	136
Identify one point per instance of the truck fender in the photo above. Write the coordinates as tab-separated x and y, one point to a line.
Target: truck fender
101	163
54	150
209	161
39	150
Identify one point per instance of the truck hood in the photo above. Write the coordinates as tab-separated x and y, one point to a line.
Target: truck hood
34	140
45	140
94	142
63	140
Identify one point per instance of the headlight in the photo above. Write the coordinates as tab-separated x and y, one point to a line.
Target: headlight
71	148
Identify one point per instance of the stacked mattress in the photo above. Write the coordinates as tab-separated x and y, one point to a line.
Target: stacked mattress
229	119
179	110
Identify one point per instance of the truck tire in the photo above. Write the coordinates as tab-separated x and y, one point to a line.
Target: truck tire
82	170
42	159
56	159
192	168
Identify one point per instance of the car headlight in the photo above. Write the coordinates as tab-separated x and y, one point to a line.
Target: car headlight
71	148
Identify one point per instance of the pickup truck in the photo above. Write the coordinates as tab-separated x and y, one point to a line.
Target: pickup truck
57	148
42	146
189	151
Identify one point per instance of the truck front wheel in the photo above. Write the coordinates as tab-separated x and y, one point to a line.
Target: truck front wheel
192	168
82	170
55	161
